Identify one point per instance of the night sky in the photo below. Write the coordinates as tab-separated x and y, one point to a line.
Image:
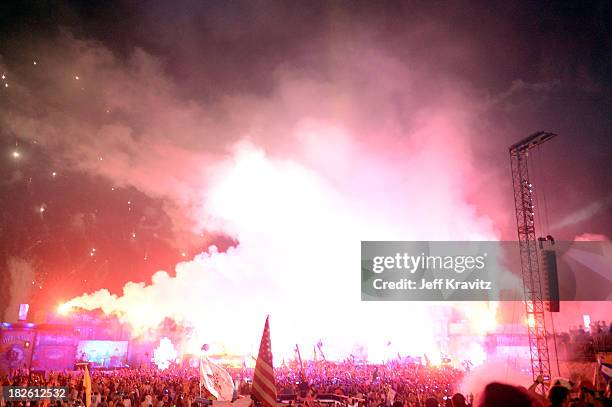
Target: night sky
112	112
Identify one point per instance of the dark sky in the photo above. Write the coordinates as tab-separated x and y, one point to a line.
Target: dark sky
227	66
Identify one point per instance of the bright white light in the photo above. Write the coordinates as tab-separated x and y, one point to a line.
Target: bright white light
16	154
164	353
586	319
531	322
477	354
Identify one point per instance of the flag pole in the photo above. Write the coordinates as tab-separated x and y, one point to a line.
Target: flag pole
297	348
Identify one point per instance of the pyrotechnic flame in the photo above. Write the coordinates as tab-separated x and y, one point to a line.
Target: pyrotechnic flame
483	319
531	321
64	309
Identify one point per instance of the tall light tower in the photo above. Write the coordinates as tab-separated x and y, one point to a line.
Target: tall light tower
528	244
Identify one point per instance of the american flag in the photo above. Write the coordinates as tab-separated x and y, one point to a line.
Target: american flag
264	386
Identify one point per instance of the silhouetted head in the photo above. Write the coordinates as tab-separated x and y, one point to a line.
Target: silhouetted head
499	395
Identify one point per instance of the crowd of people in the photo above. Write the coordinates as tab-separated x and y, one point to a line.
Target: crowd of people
374	384
350	384
594	328
582	343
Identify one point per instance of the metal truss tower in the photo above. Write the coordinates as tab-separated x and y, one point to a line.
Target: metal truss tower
528	244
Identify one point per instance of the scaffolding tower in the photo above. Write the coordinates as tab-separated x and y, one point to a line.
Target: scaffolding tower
528	246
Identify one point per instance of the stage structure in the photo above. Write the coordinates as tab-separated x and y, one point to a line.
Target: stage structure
533	281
